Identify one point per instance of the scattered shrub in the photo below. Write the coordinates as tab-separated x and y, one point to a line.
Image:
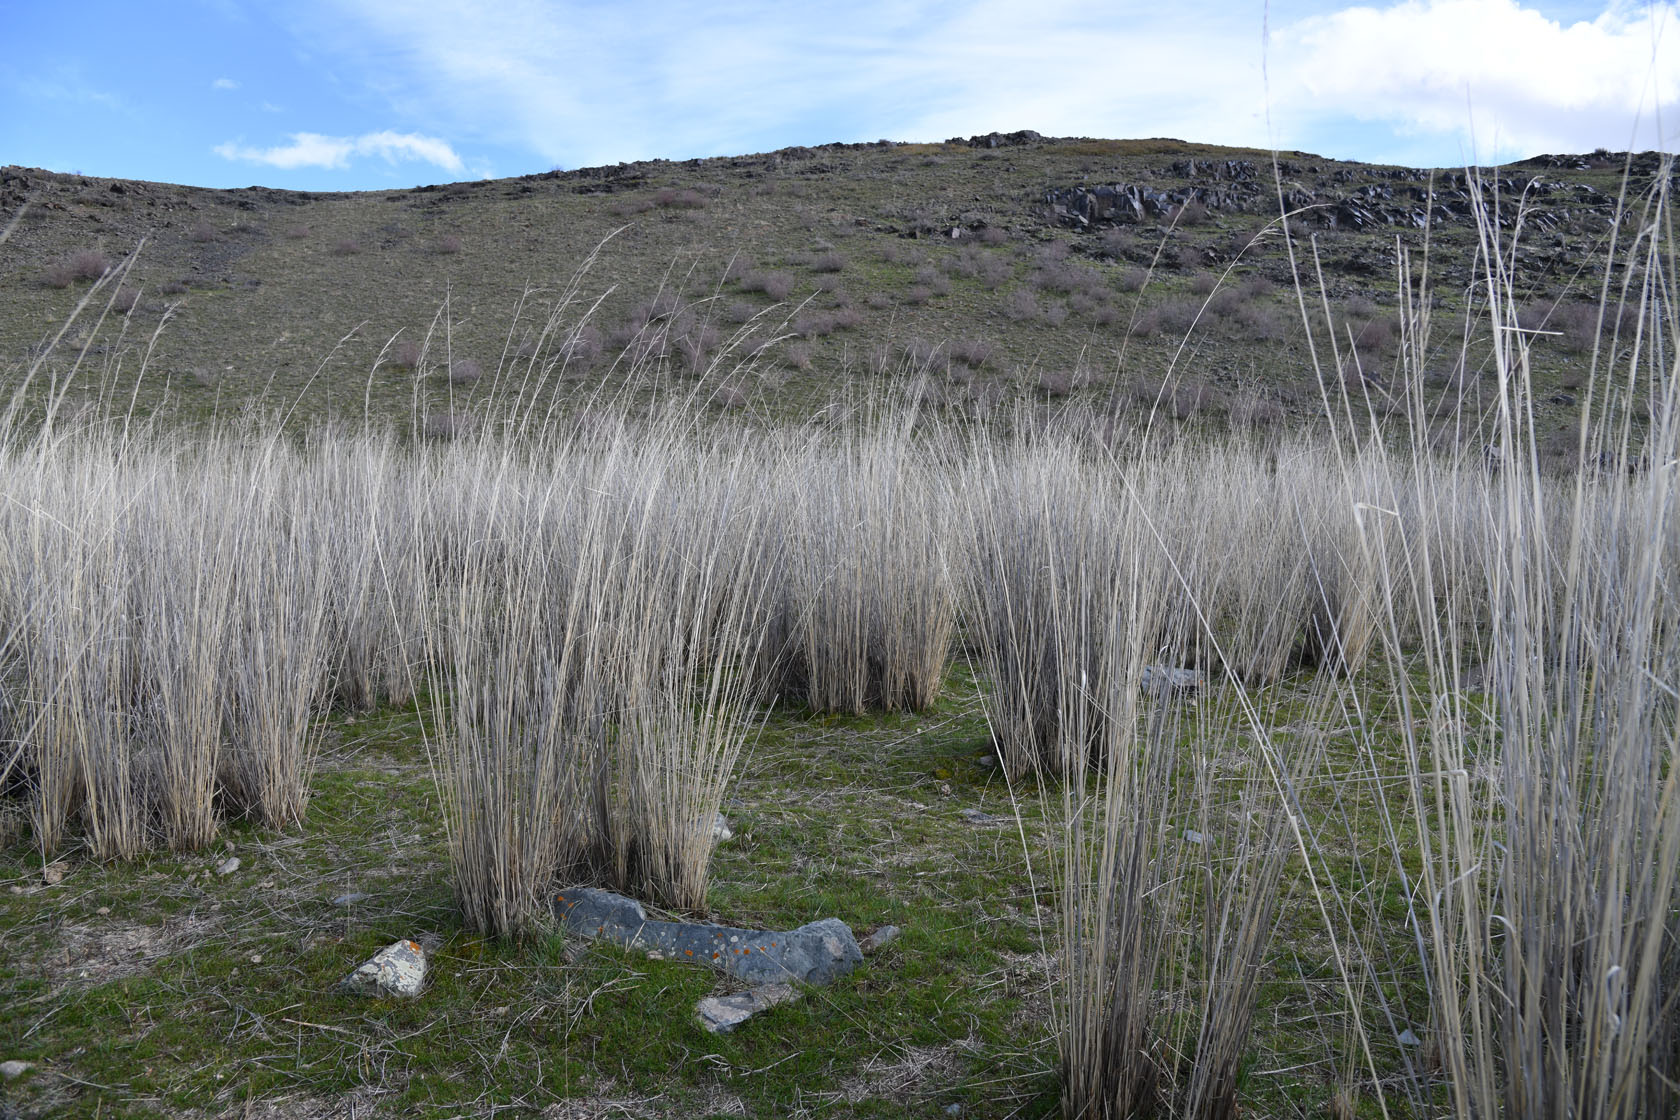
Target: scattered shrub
297	233
798	355
202	231
993	235
878	301
1131	280
918	295
448	244
671	198
777	285
1020	305
972	352
1203	283
830	261
125	301
347	247
84	264
465	371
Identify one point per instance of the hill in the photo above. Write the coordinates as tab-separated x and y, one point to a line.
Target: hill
1132	271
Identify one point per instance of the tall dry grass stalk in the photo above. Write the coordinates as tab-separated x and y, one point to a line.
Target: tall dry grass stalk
593	663
869	574
1542	795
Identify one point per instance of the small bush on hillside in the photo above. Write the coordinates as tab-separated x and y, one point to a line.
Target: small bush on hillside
465	371
84	264
202	231
830	261
992	235
297	233
447	245
1132	280
777	285
346	247
125	301
1020	305
672	198
406	354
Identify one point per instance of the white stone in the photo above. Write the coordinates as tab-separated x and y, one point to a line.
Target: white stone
228	866
11	1071
399	969
725	1013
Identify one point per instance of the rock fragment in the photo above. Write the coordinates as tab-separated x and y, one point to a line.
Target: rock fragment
725	1013
399	969
879	940
53	873
816	953
11	1071
228	866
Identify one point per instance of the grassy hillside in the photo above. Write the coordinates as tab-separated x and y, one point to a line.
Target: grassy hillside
789	277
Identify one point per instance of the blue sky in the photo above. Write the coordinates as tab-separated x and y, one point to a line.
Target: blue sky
363	94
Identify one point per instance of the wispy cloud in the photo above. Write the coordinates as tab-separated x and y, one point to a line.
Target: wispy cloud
1491	71
574	82
224	83
311	149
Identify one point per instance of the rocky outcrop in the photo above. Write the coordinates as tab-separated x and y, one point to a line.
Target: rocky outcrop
816	953
1355	198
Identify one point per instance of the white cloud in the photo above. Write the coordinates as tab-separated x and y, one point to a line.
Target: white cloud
1491	71
224	83
576	83
311	149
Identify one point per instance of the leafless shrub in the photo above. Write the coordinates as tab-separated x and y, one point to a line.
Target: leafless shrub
971	352
918	295
798	355
737	311
465	371
84	264
878	301
1020	305
346	247
447	245
203	232
1203	283
829	261
1131	280
672	198
298	233
993	235
406	354
777	285
125	301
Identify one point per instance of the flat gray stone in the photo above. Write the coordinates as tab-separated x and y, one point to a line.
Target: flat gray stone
817	953
1169	681
399	969
11	1071
976	816
879	940
725	1013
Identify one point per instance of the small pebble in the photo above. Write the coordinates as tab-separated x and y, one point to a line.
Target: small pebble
1407	1038
103	911
16	889
53	874
256	958
228	866
349	899
11	1071
878	940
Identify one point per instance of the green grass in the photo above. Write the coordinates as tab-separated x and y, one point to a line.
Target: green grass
855	817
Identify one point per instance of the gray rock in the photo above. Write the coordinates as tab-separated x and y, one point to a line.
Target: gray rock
975	816
819	952
879	940
1168	681
1407	1038
721	830
399	969
53	873
11	1071
349	899
725	1013
228	866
